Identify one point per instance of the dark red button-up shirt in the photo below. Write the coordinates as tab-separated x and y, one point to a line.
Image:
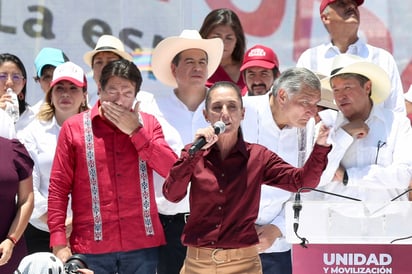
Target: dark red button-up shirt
224	194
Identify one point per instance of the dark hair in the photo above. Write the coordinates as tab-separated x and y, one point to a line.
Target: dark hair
219	17
275	71
124	69
8	57
94	55
225	84
362	79
359	77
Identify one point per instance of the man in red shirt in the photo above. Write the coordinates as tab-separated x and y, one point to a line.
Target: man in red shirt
105	159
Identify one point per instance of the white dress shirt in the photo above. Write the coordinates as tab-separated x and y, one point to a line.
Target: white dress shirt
379	165
185	123
319	59
259	127
24	120
7	129
40	140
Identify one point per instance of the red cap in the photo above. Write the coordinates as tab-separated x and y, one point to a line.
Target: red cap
325	3
260	56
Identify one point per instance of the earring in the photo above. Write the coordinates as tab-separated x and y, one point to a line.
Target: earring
21	96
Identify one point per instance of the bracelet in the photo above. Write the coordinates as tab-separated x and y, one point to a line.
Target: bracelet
12	239
345	178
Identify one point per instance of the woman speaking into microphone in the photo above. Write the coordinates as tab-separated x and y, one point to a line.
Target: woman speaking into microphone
226	177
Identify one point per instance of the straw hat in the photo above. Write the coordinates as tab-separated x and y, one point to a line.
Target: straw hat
168	48
326	95
347	63
107	43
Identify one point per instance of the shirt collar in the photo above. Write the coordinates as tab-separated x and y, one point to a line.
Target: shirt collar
376	113
50	124
240	146
358	48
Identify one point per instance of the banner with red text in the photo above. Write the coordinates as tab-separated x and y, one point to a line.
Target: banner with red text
287	26
351	258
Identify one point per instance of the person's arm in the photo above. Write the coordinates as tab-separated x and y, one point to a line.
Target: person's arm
61	178
267	234
152	147
175	186
391	163
146	135
281	174
25	204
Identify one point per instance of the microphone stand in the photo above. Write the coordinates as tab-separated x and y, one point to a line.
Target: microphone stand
400	195
297	206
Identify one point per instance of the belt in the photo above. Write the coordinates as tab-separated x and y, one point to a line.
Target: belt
220	255
180	217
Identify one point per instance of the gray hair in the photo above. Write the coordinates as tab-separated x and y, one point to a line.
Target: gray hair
294	79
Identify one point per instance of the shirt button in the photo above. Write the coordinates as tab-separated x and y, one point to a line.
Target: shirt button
212	243
217	225
221	191
223	175
219	207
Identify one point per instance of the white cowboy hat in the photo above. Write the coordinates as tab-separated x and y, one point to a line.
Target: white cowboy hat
326	95
107	43
347	63
168	48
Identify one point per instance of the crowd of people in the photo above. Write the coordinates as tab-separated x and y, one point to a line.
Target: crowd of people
110	174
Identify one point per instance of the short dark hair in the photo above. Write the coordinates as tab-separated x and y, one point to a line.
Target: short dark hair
124	69
362	79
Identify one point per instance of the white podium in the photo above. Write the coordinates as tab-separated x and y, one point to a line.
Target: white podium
351	222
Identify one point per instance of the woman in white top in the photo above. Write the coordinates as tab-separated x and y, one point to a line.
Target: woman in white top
13	75
67	96
7	129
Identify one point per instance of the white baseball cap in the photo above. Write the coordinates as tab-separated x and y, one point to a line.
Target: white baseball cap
71	72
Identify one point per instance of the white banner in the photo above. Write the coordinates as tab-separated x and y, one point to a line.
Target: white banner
287	26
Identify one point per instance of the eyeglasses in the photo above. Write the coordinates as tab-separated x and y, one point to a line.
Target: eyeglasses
16	78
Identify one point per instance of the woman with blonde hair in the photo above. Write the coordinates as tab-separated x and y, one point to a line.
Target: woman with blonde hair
67	96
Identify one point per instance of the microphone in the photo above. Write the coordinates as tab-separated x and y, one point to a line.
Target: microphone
297	207
219	127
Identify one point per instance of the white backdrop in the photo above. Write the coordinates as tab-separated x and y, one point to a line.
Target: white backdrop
288	26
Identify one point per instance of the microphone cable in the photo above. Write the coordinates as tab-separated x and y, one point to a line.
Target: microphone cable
297	207
397	197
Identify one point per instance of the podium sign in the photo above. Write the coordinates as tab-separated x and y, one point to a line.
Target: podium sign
351	258
351	222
